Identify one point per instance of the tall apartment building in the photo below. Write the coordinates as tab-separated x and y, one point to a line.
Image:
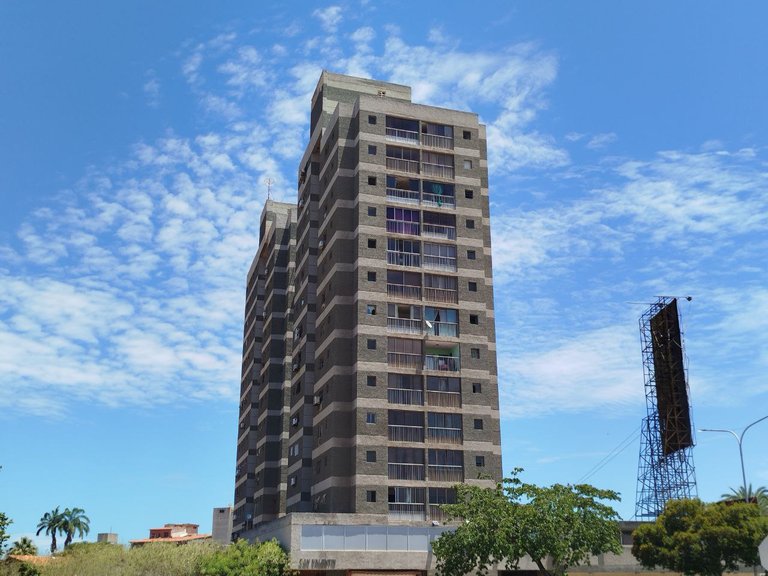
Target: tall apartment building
369	381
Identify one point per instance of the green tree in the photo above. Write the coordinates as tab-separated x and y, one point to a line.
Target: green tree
23	546
74	521
50	523
244	559
760	496
692	537
565	524
4	536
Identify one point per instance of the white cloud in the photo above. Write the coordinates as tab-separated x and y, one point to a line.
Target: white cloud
601	140
329	17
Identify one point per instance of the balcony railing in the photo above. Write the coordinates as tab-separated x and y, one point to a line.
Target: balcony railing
446	435
399	433
405	471
404	360
437	170
404	291
444	263
401	165
444	399
437	514
435	141
405	396
404	325
404	196
441	295
403	259
449	329
437	231
443	363
403	511
446	473
400	227
407	136
438	200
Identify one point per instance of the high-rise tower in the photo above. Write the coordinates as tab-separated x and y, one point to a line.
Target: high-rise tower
369	362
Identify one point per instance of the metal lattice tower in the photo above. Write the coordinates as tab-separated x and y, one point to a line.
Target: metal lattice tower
665	468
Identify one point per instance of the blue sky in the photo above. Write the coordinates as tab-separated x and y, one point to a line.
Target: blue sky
627	160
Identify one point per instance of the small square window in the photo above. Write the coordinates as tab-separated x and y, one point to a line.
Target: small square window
467	164
469	194
371	344
474	352
371	210
471	255
371	149
476	388
370	456
472	286
370	418
370	309
467	135
372	180
370	495
470	224
478	424
371	381
371	276
371	242
474	319
480	461
371	119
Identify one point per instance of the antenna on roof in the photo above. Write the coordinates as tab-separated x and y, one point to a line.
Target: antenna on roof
269	182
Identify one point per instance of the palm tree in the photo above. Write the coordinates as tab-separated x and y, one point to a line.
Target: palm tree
23	547
760	496
50	522
74	520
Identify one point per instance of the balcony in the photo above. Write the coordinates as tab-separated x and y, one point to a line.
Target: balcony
446	473
404	360
400	433
445	435
436	141
404	325
402	165
448	329
403	196
436	170
438	231
405	136
441	295
437	200
405	471
442	363
403	259
405	396
401	227
444	399
442	263
406	511
404	291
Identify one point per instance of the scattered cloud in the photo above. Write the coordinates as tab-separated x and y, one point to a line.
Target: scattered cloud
329	17
601	140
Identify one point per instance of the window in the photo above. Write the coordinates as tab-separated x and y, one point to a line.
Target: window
470	224
471	286
469	194
371	381
371	242
371	210
474	319
370	456
371	309
370	418
480	461
467	164
371	119
478	425
476	388
371	149
372	344
372	180
471	254
467	135
370	495
474	352
371	276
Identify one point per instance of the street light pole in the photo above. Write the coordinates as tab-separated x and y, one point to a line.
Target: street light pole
740	440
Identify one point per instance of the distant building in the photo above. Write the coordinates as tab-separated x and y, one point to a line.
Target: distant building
222	525
173	534
108	537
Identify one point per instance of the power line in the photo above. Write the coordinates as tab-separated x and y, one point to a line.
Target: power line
623	445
